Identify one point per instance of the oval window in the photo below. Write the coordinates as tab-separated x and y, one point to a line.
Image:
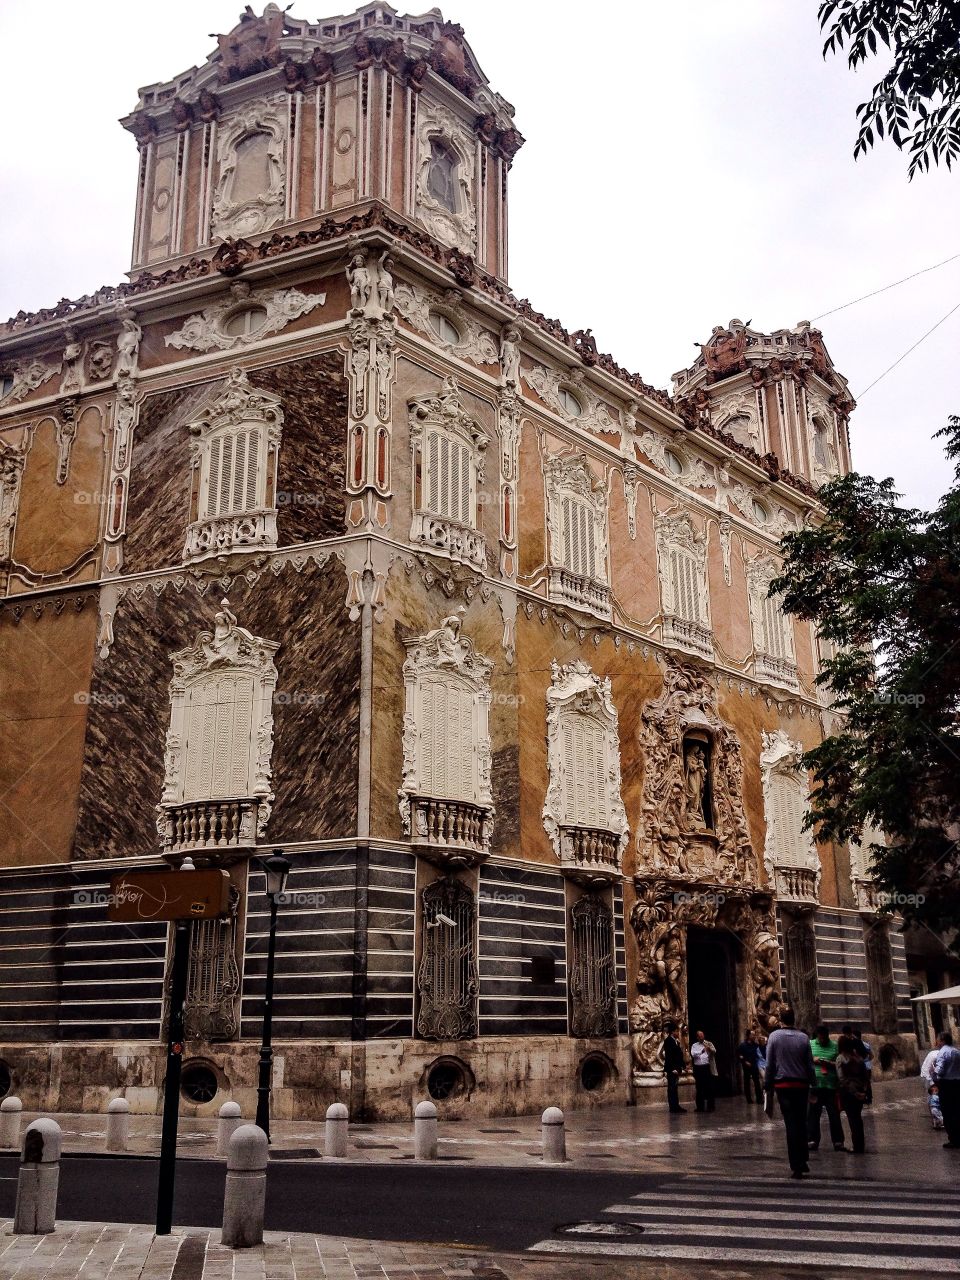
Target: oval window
674	462
445	329
760	512
570	403
241	324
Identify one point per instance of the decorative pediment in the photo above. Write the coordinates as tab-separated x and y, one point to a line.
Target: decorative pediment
446	201
446	410
240	402
244	318
667	843
445	649
571	472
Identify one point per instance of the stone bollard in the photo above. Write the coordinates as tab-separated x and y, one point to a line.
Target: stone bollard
11	1110
336	1130
39	1179
425	1131
118	1124
228	1122
552	1136
246	1191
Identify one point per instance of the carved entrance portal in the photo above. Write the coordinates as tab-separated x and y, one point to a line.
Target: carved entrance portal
713	962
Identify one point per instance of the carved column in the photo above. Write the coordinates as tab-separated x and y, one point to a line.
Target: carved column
125	410
370	371
800	961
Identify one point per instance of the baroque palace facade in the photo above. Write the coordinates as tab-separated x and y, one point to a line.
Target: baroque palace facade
314	536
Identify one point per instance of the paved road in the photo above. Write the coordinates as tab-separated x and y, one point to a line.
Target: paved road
874	1225
443	1203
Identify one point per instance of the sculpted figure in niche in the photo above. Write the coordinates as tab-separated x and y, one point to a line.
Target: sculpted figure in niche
510	356
371	287
384	284
71	380
361	283
447	639
696	778
128	345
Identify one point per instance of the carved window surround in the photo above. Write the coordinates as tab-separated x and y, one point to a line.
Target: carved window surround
457	226
577	534
583	812
684	599
217	792
235	213
790	853
446	804
774	659
549	384
272	309
415	305
448	455
234	456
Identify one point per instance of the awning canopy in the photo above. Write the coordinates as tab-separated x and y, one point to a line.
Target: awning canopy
949	995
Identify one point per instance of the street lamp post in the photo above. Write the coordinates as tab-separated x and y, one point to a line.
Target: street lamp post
276	869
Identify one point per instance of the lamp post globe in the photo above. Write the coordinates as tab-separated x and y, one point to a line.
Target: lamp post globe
276	869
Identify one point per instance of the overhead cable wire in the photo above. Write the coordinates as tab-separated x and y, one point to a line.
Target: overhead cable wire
862	393
923	271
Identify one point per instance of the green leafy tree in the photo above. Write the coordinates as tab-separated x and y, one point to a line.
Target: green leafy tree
917	103
882	584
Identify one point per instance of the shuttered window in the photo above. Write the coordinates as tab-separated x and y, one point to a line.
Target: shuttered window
218	736
776	640
789	842
685	580
233	482
583	743
579	542
448	479
447	743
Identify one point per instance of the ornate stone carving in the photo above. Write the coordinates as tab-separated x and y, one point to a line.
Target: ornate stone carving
822	437
549	383
445	799
736	413
800	963
773	643
99	361
578	565
788	849
258	413
415	305
724	351
583	812
207	331
445	513
510	358
631	483
229	649
445	177
865	891
696	473
372	291
66	434
71	375
128	344
684	598
28	377
250	194
769	515
665	843
11	473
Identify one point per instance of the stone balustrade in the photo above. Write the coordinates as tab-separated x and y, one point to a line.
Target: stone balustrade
692	637
776	671
221	534
454	829
796	884
590	850
458	541
581	592
210	824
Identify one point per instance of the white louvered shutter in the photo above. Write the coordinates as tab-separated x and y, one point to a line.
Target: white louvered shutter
687	601
787	811
448	482
446	739
234	472
583	744
579	545
218	736
775	637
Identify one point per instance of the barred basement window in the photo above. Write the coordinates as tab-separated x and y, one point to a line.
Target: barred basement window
593	978
447	981
213	978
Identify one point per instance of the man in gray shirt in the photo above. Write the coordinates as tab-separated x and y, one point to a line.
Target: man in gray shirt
790	1075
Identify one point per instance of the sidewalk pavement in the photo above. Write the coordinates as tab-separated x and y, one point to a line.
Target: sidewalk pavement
105	1251
736	1136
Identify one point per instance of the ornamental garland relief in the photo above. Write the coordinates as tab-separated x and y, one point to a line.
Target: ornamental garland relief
250	193
415	305
445	195
269	311
548	384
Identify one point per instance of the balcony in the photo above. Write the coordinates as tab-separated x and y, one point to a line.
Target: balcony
219	535
450	832
589	854
796	884
582	593
201	826
458	541
867	895
776	671
691	637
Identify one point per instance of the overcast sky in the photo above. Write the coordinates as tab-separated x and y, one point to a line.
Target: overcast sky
687	161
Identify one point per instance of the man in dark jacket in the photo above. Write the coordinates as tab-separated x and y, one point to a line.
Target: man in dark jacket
790	1075
674	1065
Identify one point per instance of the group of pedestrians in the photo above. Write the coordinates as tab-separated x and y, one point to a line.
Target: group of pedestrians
940	1074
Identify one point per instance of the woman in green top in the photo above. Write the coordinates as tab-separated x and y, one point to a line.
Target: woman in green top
824	1096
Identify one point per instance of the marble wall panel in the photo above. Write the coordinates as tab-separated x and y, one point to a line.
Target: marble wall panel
315	710
45	668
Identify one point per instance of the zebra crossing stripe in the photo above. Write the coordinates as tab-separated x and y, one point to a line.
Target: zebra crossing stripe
872	1261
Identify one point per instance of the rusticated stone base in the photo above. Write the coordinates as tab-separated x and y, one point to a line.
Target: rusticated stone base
501	1076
